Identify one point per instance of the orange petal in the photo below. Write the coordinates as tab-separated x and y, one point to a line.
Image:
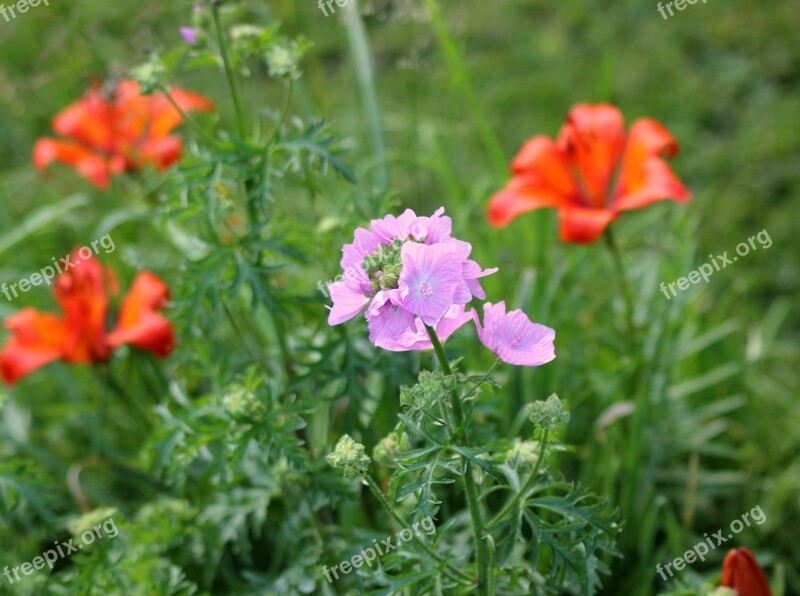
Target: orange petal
81	291
593	138
161	152
88	121
541	158
741	571
139	323
37	339
165	118
645	177
133	113
88	164
522	194
578	224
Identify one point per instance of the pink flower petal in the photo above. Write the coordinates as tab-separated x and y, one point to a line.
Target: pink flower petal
429	280
514	338
346	303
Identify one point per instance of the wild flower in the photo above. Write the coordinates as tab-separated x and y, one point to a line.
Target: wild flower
409	272
591	173
119	131
80	336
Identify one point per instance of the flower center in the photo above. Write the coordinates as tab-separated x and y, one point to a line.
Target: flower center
426	290
515	342
383	266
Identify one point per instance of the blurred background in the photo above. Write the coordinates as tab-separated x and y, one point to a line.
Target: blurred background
434	105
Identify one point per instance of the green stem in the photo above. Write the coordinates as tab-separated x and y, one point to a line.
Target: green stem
286	358
362	58
284	113
452	572
445	364
623	282
226	61
480	382
632	458
475	512
462	83
111	382
528	484
186	117
236	328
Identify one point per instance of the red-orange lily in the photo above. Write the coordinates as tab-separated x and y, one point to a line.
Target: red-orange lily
591	173
741	571
120	133
80	337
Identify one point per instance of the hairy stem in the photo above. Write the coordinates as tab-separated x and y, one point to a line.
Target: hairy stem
475	512
226	61
452	572
186	117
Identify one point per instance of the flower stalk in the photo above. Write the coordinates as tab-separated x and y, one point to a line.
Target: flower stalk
475	511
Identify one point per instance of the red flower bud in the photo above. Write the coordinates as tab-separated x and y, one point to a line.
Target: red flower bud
741	571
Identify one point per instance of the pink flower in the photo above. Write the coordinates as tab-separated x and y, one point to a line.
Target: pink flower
189	35
409	272
513	337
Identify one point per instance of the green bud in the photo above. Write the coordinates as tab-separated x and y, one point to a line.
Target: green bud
88	521
149	74
549	414
391	447
155	512
242	404
389	281
283	60
350	456
244	32
432	388
526	452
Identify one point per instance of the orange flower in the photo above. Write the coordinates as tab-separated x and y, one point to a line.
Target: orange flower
741	571
80	337
591	173
122	133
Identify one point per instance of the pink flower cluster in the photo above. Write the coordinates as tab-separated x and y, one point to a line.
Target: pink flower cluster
409	273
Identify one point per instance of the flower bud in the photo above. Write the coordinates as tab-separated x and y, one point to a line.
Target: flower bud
283	60
89	520
549	414
149	74
391	447
349	456
525	452
242	404
741	571
431	388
